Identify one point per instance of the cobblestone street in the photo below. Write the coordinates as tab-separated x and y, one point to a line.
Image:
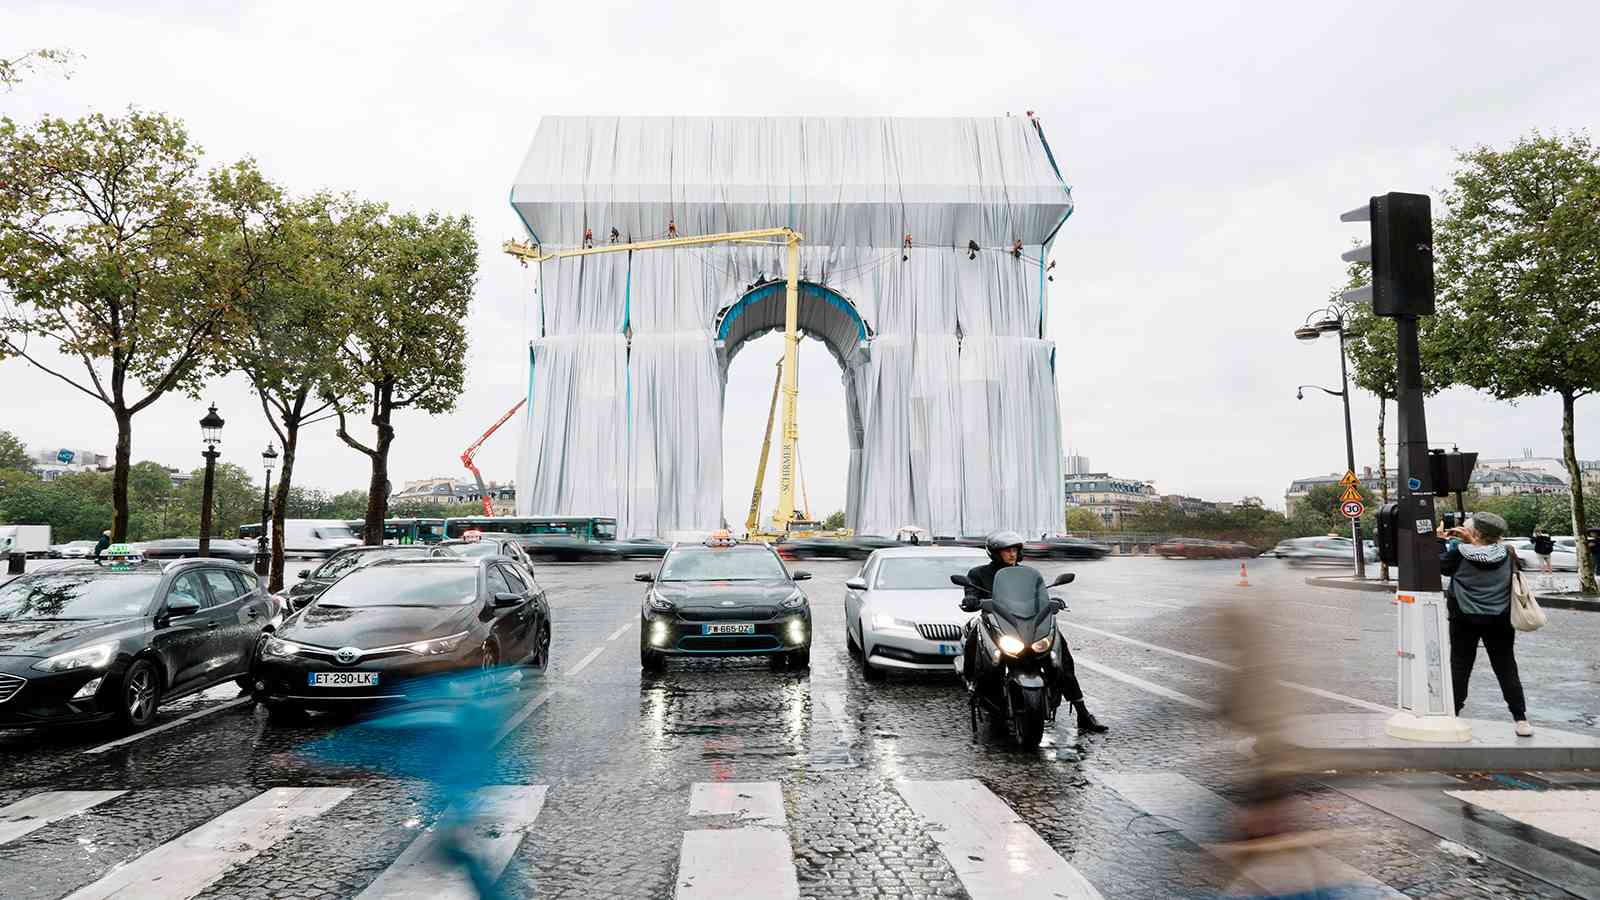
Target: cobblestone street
844	788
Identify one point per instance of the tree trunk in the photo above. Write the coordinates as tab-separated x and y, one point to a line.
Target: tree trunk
291	438
119	475
1569	455
1383	472
378	487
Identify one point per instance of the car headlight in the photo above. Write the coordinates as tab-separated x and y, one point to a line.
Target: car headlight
1011	645
436	646
94	657
280	648
884	620
794	601
1042	644
660	603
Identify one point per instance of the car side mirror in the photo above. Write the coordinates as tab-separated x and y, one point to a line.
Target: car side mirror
856	584
305	573
301	602
801	576
506	600
1063	578
961	580
182	605
644	576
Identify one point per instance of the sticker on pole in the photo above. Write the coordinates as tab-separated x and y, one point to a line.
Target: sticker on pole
1414	484
1352	509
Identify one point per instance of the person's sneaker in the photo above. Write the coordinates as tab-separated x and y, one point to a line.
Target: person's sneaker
1524	729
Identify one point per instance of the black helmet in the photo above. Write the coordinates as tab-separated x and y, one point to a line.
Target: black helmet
1000	540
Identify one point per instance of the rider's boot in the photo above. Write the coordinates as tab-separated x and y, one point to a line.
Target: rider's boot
1087	723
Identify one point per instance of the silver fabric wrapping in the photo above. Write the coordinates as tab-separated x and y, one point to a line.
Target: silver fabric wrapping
952	417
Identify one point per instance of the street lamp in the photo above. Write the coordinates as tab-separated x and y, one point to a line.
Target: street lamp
1331	321
211	436
268	457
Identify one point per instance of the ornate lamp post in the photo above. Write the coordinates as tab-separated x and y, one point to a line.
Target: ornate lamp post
1332	322
268	457
211	435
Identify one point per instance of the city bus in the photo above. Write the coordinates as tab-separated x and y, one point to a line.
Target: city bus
587	529
405	531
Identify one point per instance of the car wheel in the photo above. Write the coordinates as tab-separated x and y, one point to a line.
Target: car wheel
281	714
541	660
488	666
850	644
869	672
650	659
800	659
140	695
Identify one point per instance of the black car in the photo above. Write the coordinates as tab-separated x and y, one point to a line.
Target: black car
724	599
819	548
1064	548
386	632
489	544
189	548
314	581
87	642
570	548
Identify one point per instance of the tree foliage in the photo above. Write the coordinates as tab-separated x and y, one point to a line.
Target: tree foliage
14	70
1518	264
1083	521
834	521
14	453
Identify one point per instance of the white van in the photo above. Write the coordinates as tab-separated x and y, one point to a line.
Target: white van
317	537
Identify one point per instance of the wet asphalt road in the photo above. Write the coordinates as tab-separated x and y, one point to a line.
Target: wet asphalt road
619	753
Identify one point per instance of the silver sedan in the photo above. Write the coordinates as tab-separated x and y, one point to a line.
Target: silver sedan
902	612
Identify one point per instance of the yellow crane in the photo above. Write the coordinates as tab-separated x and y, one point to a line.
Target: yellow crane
800	522
790	239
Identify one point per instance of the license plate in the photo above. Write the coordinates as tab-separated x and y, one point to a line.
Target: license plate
727	629
342	679
949	649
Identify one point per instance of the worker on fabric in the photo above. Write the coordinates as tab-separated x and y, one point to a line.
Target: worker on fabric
1005	549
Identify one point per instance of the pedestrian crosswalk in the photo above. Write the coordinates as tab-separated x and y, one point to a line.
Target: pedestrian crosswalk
737	839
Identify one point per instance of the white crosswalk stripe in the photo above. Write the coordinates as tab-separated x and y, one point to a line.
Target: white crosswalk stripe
996	855
497	820
1202	816
752	862
183	867
32	813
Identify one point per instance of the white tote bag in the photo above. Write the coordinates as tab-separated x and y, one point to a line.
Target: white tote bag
1525	612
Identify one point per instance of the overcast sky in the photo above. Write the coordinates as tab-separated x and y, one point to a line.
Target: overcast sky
1210	148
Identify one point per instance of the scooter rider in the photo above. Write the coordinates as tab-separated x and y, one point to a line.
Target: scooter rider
1005	549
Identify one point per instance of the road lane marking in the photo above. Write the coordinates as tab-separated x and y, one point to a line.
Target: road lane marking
33	813
620	631
1202	817
996	855
1141	684
1574	815
753	802
499	818
1218	664
168	726
515	722
186	865
753	861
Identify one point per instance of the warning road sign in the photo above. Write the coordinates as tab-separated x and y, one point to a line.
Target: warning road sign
1349	479
1350	495
1352	509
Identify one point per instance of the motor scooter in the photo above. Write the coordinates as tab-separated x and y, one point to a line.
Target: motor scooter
1013	683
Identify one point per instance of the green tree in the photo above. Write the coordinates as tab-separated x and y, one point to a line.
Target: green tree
70	505
14	453
1082	521
12	70
410	280
235	501
348	505
834	521
107	241
1518	264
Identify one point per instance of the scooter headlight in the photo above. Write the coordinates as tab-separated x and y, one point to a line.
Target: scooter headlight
1042	644
1011	645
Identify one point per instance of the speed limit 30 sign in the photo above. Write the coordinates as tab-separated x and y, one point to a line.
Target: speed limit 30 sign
1352	509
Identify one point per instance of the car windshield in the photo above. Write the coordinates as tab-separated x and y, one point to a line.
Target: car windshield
923	573
343	563
77	595
404	585
334	532
476	551
722	564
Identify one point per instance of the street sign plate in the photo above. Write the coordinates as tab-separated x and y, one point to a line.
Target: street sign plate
1349	479
1352	509
1350	495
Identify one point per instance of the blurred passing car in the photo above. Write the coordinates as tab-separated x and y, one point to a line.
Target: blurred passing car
723	598
479	545
189	548
902	612
1330	550
1198	548
1064	548
816	548
314	581
73	550
88	642
381	633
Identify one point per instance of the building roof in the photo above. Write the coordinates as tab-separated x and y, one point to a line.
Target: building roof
1515	476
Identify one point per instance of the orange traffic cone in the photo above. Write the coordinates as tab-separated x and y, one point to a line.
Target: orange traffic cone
1244	575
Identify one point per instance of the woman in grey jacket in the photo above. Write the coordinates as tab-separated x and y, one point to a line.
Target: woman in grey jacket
1479	601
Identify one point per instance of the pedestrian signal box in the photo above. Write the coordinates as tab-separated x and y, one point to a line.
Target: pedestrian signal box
1388	533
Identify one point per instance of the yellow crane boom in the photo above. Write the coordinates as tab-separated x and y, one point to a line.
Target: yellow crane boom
754	519
791	239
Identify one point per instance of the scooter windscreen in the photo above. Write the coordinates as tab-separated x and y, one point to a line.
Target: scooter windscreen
1020	601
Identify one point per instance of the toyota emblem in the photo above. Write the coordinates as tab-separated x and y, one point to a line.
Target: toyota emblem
347	655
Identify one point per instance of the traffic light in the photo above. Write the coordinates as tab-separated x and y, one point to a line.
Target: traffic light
1449	473
1401	254
1388	539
